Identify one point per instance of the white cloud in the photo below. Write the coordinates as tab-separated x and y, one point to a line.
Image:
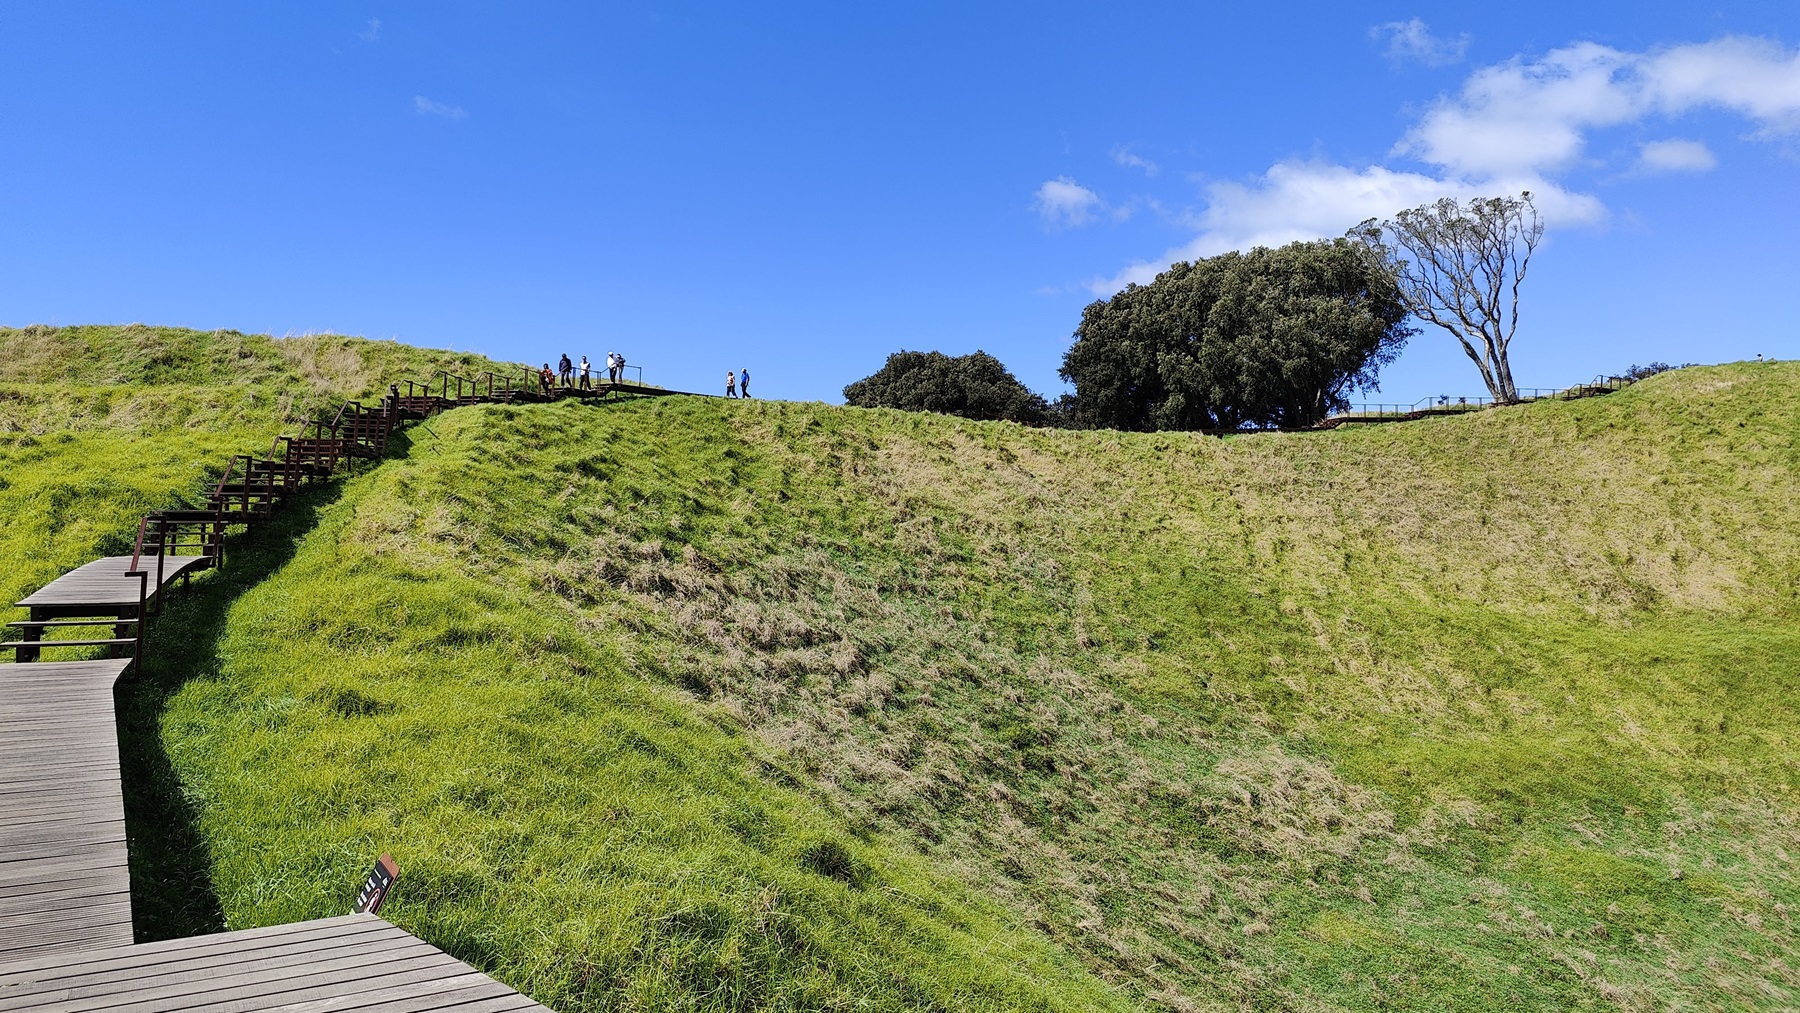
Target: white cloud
371	33
1412	40
1675	155
426	107
1309	200
1756	78
1125	157
1535	115
1063	203
1513	126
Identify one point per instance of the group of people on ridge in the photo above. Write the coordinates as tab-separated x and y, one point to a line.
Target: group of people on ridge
579	375
567	371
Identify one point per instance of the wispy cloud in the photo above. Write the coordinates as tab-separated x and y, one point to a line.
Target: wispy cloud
1125	157
1523	124
1675	155
1535	115
1063	203
426	107
1412	41
1307	200
371	33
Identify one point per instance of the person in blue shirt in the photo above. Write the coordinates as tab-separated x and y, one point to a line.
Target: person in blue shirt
744	382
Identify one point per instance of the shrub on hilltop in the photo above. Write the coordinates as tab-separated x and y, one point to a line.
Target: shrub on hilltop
974	386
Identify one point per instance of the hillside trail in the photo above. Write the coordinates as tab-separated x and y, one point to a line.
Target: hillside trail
66	923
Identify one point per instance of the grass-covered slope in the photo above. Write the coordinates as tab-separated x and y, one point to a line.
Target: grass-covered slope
100	424
707	705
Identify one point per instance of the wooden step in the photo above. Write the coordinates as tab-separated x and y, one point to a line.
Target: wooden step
180	516
40	624
19	645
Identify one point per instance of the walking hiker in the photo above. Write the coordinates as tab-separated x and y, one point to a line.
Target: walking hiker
621	367
565	368
730	384
612	368
744	383
586	383
545	379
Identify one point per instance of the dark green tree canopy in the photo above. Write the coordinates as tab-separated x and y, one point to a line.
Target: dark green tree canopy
975	386
1265	338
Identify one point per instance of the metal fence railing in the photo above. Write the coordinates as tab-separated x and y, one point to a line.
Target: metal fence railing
1445	404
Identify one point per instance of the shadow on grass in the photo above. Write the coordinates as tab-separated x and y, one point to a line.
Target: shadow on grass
171	884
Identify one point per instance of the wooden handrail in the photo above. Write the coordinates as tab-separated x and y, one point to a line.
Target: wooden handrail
354	430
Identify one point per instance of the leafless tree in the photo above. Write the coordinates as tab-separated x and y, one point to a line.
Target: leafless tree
1459	266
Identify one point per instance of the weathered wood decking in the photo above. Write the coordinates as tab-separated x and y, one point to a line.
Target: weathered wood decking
63	877
65	886
103	587
356	962
65	892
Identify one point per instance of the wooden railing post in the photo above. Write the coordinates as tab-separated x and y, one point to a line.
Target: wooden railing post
137	651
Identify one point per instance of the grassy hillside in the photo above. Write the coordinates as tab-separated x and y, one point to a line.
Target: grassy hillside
100	424
710	705
703	705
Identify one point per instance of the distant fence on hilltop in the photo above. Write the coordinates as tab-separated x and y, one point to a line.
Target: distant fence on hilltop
1376	413
1444	404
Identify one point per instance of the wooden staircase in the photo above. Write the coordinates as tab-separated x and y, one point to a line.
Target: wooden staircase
117	594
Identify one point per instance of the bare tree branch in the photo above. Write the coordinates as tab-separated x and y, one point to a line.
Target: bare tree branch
1458	267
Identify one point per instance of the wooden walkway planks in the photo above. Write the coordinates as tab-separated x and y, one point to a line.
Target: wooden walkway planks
601	388
104	585
63	875
65	893
65	886
356	962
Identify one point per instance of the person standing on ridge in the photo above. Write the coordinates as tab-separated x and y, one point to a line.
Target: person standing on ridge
743	383
564	369
586	372
621	358
730	384
545	379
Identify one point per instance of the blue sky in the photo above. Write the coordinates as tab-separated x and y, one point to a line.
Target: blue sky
802	189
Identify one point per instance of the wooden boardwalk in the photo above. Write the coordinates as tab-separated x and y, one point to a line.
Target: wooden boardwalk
63	878
102	586
65	885
356	962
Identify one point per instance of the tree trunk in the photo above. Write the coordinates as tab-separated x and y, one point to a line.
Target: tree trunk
1506	391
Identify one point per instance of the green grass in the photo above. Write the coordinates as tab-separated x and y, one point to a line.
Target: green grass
692	704
100	424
